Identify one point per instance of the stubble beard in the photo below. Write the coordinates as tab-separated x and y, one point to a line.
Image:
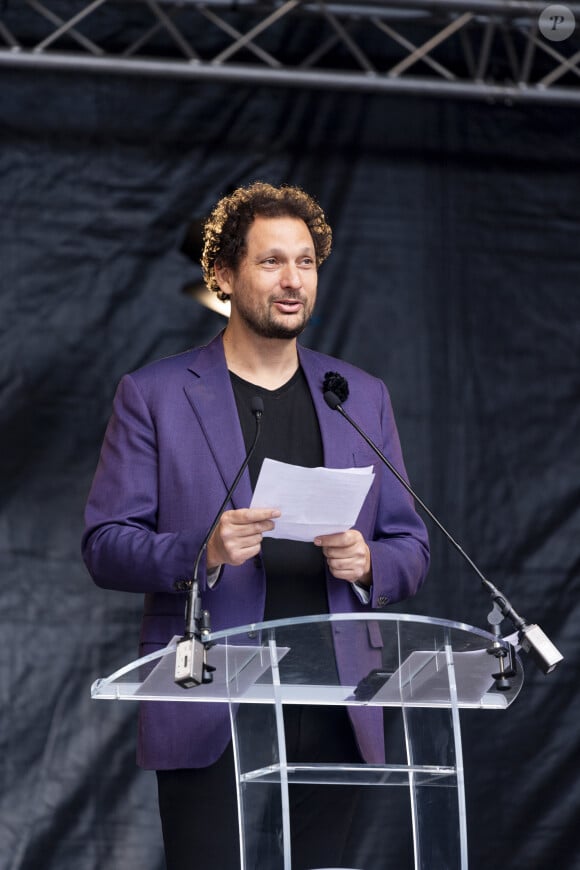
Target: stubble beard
265	325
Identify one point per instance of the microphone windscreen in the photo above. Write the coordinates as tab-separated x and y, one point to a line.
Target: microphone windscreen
335	383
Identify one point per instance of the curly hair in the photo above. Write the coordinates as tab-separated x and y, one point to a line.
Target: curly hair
226	229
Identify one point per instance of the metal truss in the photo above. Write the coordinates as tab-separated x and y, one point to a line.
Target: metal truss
475	49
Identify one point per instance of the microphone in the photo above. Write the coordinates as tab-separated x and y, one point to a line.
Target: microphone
532	639
191	667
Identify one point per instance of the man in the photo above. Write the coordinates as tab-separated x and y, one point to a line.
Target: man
179	432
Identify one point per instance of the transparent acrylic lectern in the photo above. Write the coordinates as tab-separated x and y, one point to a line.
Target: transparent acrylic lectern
425	670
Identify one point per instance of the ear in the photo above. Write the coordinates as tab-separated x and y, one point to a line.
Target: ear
223	276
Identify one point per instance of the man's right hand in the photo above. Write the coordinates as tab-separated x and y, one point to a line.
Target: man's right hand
238	536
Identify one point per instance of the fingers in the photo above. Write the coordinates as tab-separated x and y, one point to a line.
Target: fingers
238	536
341	544
347	555
251	516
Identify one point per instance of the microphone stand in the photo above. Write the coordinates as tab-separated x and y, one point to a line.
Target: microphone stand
532	639
191	667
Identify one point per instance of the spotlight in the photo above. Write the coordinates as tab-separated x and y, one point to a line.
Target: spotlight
199	292
191	248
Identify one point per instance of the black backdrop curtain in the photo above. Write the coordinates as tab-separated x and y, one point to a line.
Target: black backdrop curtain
454	278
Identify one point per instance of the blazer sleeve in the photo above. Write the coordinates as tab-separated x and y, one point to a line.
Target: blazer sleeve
399	542
121	546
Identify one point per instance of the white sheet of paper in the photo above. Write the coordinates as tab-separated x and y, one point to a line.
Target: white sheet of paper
313	501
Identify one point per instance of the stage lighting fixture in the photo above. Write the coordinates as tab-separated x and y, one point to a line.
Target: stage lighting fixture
191	247
198	291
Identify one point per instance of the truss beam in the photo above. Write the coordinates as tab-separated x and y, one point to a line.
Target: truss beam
470	49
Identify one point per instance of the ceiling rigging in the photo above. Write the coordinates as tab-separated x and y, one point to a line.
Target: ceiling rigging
493	50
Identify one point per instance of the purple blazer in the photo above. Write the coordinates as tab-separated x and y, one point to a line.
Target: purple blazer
171	449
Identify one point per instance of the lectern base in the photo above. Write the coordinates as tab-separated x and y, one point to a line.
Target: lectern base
433	669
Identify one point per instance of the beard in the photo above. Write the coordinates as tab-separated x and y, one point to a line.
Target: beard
267	323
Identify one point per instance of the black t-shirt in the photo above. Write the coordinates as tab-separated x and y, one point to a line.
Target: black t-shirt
290	433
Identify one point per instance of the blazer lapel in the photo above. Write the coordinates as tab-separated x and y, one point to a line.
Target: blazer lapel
337	441
212	399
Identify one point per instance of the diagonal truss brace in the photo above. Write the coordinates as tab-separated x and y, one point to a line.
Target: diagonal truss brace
448	48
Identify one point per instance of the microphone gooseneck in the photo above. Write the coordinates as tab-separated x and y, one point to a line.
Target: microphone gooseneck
257	406
191	667
532	638
333	402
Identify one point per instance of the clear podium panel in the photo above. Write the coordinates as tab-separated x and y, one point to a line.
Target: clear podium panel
403	681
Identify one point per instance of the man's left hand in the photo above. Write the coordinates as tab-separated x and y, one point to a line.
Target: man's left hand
348	556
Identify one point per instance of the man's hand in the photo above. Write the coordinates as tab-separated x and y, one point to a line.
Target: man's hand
238	536
348	556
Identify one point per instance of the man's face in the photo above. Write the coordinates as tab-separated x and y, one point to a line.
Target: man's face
273	290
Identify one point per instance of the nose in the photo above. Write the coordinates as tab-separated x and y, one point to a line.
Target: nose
290	276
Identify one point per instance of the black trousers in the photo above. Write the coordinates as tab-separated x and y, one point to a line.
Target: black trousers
198	807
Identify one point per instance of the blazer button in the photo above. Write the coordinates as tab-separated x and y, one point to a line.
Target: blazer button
382	600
